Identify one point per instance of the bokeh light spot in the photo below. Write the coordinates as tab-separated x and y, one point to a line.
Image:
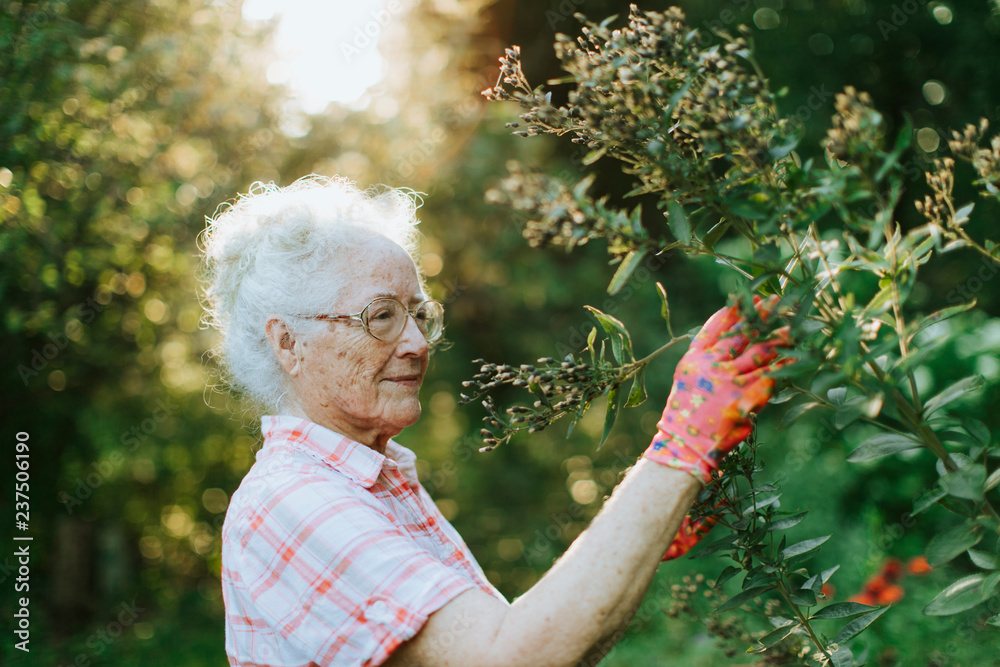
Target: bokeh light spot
155	311
942	13
934	92
584	491
821	44
57	380
928	139
432	264
215	500
766	18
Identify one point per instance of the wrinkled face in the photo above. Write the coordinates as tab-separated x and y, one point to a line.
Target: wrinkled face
350	382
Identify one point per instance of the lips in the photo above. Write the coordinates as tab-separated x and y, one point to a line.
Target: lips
412	379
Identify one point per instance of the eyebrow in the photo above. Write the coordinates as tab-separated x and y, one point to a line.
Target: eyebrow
416	298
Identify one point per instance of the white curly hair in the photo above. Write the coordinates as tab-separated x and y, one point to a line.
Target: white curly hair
275	250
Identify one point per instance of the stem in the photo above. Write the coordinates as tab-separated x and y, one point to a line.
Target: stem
802	620
933	443
655	353
959	232
898	318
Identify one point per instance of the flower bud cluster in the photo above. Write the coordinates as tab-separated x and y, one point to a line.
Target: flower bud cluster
985	159
857	130
937	207
693	120
558	389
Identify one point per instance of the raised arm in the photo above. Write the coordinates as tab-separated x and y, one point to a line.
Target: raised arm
594	588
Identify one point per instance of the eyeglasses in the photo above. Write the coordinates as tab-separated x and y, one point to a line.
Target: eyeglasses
384	318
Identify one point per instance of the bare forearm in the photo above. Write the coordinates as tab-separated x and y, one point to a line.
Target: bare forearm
608	642
596	585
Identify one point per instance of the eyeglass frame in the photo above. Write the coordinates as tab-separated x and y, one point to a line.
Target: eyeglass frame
359	317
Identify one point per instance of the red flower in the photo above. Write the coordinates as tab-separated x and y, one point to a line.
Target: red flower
863	598
892	569
919	565
882	589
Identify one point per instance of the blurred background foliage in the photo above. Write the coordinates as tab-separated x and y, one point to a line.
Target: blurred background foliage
124	123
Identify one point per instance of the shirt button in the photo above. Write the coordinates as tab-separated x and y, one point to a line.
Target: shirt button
378	612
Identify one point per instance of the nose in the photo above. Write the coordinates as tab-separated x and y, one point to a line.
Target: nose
411	342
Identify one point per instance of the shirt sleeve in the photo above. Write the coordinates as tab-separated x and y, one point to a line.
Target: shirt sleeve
334	576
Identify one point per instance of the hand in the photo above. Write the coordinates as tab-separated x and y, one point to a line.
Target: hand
718	384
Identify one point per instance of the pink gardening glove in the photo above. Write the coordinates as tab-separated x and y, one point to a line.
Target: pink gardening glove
718	384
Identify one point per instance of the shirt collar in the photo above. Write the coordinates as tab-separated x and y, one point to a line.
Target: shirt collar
360	463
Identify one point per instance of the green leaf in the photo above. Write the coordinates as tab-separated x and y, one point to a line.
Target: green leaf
879	303
773	637
595	155
842	657
848	413
962	214
617	348
795	412
804	547
785	395
954	391
944	314
826	574
881	445
536	389
943	547
612	326
664	307
612	413
985	560
591	337
712	547
857	626
803	598
631	262
741	598
678	222
843	610
761	503
903	140
638	394
784	148
977	430
964	594
967	482
580	189
993	480
726	575
926	500
714	234
813	584
788	522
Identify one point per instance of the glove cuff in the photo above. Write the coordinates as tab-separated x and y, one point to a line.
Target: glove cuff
673	454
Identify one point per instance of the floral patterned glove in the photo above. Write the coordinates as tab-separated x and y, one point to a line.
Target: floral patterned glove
718	384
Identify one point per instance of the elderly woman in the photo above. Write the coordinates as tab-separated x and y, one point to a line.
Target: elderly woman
333	553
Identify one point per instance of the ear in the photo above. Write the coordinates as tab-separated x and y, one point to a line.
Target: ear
285	345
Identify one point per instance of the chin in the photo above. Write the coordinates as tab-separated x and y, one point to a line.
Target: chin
408	415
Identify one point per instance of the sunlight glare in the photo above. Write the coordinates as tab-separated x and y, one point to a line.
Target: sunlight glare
326	51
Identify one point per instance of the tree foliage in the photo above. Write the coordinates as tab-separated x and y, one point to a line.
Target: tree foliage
699	128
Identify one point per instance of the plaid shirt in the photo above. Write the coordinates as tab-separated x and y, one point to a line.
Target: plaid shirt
333	554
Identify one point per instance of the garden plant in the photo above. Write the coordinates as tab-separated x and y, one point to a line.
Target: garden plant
695	122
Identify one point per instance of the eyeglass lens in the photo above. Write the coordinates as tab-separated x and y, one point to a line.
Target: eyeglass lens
386	319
